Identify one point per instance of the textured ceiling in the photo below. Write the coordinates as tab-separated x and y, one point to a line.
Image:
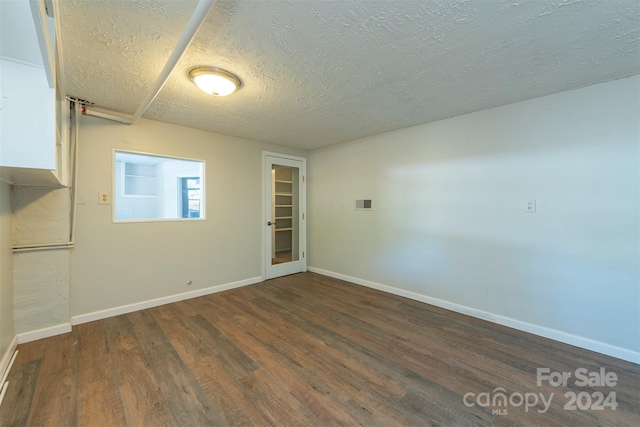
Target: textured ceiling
321	72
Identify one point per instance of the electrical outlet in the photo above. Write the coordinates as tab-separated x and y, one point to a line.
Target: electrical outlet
104	198
531	206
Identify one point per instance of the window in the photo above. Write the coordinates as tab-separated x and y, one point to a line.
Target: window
190	197
148	187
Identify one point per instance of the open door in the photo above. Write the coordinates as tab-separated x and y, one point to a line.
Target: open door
284	215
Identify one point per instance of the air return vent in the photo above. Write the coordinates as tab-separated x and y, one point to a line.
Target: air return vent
363	205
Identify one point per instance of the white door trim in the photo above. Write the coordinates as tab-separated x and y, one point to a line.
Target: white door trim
266	210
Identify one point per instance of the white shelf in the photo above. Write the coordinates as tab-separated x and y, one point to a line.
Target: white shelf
284	217
140	176
284	229
284	194
284	182
284	206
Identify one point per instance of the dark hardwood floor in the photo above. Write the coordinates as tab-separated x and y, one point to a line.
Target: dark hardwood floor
307	350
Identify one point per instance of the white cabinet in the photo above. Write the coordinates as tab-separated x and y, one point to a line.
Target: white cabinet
27	115
34	127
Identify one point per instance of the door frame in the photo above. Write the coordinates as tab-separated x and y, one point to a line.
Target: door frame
266	210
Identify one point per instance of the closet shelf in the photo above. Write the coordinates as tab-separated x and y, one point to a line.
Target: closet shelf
128	175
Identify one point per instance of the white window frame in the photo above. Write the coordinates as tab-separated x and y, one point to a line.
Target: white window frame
116	190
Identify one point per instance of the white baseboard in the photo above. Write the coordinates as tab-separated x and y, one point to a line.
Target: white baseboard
44	333
129	308
8	354
554	334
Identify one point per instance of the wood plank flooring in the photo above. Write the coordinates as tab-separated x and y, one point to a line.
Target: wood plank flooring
305	350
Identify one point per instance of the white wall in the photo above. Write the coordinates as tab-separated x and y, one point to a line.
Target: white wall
449	219
126	263
41	289
169	193
6	269
132	207
40	278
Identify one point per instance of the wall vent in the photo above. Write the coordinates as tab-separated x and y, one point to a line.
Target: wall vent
363	205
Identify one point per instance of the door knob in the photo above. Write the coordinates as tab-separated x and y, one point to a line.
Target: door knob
271	223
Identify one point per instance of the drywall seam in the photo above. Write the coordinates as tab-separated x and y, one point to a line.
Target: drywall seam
554	334
123	309
39	334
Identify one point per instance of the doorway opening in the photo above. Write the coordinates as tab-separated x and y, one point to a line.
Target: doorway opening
285	203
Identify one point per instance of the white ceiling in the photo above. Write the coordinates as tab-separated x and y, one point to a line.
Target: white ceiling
321	72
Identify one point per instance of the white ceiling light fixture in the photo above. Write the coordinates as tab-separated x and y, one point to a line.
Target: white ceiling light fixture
215	81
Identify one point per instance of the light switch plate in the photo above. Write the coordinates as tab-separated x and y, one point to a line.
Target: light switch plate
531	206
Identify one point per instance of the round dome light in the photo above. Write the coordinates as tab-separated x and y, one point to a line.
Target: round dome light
214	81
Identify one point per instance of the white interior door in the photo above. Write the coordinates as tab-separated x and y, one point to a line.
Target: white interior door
284	215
